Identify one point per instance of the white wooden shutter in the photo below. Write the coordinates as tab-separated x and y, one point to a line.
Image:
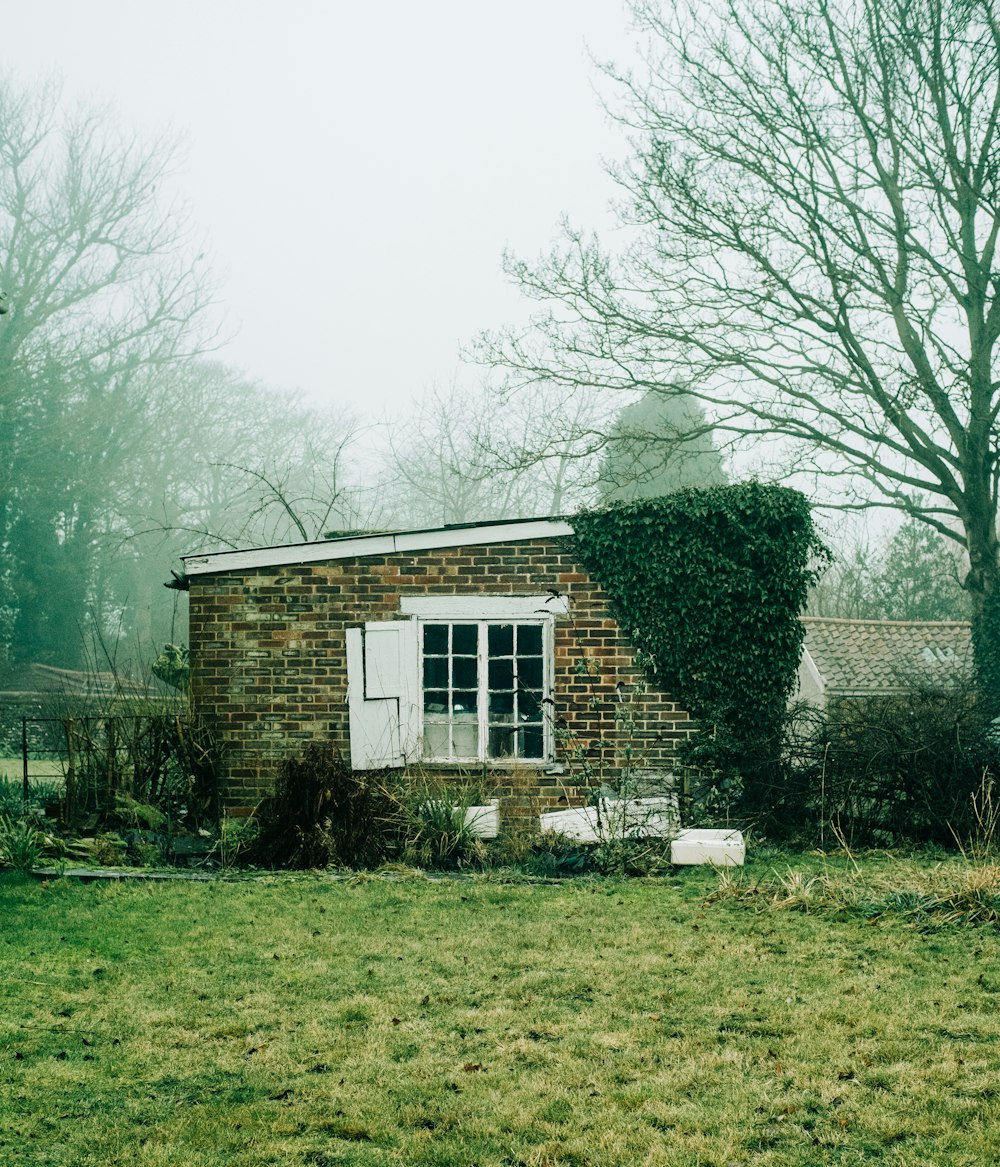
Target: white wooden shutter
382	693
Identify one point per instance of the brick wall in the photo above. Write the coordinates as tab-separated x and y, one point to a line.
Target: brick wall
269	664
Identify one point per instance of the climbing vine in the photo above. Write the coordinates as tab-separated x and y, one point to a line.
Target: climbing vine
709	585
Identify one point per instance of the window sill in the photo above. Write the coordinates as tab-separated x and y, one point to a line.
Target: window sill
473	766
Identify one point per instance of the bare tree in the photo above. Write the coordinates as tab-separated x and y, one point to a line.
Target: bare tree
465	455
813	208
102	293
910	574
226	463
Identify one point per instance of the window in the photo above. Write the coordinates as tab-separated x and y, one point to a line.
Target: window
484	686
455	679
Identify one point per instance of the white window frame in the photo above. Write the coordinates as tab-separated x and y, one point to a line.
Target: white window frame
483	611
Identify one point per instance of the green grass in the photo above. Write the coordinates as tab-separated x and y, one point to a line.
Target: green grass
49	769
303	1021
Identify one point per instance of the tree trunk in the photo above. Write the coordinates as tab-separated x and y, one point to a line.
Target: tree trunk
983	584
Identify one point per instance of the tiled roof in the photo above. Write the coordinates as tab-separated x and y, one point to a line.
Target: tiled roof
45	680
879	656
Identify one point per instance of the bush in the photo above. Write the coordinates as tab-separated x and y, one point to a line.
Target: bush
324	813
21	845
555	856
40	793
164	760
885	770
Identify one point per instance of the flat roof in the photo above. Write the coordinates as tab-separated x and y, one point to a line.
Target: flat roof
385	543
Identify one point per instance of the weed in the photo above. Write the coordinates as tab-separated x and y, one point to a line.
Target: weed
435	829
617	856
983	842
109	850
554	855
40	794
237	837
942	895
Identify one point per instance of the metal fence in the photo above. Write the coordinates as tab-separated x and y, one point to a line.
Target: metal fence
96	759
35	752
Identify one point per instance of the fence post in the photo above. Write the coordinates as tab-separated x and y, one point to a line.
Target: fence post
69	805
26	787
111	784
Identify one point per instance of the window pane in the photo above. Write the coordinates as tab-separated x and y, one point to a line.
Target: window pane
529	742
465	639
465	673
435	701
501	707
436	738
467	702
501	639
529	639
529	672
465	735
529	705
435	638
501	742
435	672
501	674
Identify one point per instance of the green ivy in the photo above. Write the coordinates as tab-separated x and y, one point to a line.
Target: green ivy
709	585
173	667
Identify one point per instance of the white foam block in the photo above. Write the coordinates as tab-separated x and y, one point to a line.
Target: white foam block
484	821
701	845
578	823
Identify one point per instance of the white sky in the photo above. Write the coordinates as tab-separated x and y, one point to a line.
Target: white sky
355	169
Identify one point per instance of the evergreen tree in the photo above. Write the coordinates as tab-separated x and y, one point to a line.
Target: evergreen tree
659	444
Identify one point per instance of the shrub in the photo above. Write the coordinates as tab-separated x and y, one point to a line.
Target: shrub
21	845
164	759
323	813
909	767
40	793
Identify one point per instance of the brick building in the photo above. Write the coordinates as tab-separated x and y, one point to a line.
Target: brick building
481	652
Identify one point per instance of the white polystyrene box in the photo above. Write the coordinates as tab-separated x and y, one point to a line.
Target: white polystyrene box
484	821
701	845
580	823
615	818
640	818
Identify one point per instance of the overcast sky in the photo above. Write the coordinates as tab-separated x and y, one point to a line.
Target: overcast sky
355	169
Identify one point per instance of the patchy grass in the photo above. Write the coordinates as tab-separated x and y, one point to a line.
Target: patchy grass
297	1020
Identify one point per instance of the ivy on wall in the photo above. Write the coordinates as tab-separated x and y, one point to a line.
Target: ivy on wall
708	584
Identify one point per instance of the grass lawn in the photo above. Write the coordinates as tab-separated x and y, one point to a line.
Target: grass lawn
298	1020
39	770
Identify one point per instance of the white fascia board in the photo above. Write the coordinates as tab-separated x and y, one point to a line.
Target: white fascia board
484	607
811	685
403	542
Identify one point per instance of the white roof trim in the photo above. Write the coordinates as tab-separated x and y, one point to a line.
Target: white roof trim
484	607
808	672
400	543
